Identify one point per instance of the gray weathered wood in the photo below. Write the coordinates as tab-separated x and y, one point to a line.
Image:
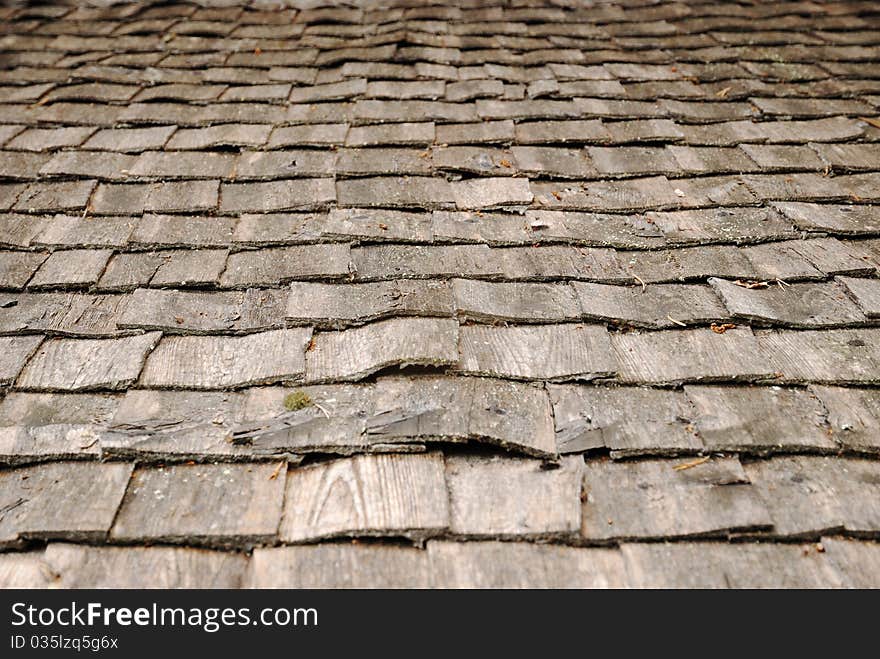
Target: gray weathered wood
499	496
16	268
332	419
173	311
379	262
356	353
866	293
809	495
545	352
653	499
35	427
377	225
831	356
262	230
284	264
693	355
726	565
796	305
554	262
511	415
341	305
655	306
853	415
87	364
81	566
722	225
593	229
627	420
758	419
15	351
843	219
489	193
398	413
212	362
384	495
478	227
75	230
837	257
128	270
217	504
152	425
857	562
338	565
65	314
156	231
66	500
71	268
190	267
23	570
493	301
522	565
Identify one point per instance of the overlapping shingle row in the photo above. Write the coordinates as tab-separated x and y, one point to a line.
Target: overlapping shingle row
514	294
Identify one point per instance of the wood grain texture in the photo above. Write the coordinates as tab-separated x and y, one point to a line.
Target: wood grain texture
759	419
504	497
215	504
15	351
385	495
627	420
656	306
653	499
87	364
36	427
857	562
81	566
546	352
833	356
16	268
398	413
691	355
66	500
512	415
356	353
214	362
807	305
71	268
853	415
151	425
866	293
173	311
190	267
63	314
341	305
23	570
515	302
723	565
381	262
810	495
339	565
284	264
522	565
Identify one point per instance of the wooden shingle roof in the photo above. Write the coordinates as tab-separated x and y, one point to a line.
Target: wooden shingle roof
473	294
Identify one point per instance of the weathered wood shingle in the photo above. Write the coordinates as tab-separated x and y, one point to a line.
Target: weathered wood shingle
385	495
217	504
87	364
655	499
356	353
505	497
61	500
546	352
214	362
